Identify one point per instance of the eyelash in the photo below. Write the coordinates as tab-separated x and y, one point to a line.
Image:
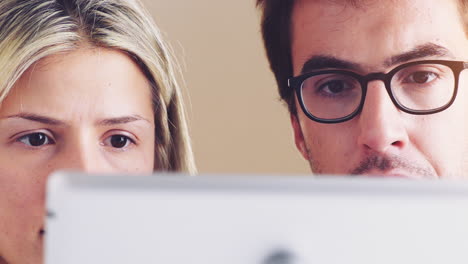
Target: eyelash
49	140
129	140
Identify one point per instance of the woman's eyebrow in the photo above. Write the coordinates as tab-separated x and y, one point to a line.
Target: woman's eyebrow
37	118
120	120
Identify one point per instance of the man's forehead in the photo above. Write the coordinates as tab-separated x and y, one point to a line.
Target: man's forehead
357	4
380	35
339	5
342	10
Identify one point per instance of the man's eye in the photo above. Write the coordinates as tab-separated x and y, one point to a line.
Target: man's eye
118	141
337	88
421	77
36	139
334	87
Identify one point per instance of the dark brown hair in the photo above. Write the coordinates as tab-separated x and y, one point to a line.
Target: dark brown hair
275	26
276	21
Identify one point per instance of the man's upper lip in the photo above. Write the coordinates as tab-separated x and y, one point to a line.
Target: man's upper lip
385	175
391	173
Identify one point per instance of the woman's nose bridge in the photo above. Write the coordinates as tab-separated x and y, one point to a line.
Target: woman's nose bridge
81	153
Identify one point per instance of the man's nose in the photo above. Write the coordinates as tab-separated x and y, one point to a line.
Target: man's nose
381	124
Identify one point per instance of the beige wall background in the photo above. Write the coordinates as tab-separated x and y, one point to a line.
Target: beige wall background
237	123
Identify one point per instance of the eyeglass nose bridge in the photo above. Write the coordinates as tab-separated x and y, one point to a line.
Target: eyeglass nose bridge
375	76
378	76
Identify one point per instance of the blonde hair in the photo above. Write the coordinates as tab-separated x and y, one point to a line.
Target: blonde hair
31	30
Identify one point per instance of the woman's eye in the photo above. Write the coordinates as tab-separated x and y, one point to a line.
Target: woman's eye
119	141
36	139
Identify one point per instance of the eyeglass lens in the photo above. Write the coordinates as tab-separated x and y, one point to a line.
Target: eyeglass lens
421	87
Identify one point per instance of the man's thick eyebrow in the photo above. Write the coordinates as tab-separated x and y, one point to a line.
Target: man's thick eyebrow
421	51
320	62
120	120
38	118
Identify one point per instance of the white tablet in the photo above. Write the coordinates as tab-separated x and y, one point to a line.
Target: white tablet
254	220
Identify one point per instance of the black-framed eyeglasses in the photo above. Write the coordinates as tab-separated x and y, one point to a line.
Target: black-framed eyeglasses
419	88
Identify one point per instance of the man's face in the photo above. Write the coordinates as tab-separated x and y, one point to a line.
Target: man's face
382	140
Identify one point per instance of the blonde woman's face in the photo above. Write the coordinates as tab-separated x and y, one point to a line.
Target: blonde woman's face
89	110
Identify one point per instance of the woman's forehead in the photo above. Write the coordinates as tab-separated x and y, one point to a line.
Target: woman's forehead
83	83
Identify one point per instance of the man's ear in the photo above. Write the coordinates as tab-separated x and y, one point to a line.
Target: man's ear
299	136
